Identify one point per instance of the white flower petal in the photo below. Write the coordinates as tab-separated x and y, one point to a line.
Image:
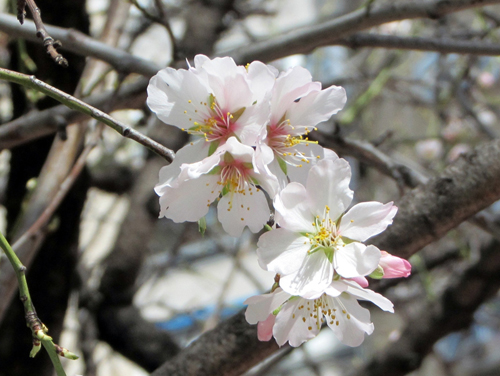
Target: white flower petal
290	325
336	288
199	60
282	251
356	259
367	219
190	153
328	185
314	276
290	86
242	153
190	199
175	97
195	170
260	306
351	320
312	153
237	210
365	294
262	78
292	209
317	106
275	169
230	87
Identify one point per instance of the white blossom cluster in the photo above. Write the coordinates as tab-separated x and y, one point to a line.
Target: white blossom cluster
252	124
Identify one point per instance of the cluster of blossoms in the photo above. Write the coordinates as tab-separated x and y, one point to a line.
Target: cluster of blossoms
252	125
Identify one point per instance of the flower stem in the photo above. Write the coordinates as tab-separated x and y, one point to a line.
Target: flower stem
37	328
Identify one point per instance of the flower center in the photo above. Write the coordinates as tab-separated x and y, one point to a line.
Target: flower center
283	139
235	178
326	237
217	124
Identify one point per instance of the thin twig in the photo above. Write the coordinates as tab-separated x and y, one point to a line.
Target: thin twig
38	330
76	104
442	45
37	124
81	44
305	40
161	19
41	32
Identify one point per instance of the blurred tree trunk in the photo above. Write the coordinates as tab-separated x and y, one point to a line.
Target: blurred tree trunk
50	277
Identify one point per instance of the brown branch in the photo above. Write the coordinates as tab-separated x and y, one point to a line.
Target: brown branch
41	32
75	103
305	40
228	350
370	155
465	187
442	45
81	44
41	123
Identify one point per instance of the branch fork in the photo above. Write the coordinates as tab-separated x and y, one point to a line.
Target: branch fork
49	43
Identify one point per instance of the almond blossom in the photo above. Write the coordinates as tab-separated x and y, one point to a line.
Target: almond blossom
216	99
317	240
229	176
297	105
297	319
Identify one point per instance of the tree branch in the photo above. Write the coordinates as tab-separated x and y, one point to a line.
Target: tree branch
228	350
442	45
41	123
79	43
41	32
305	40
76	104
428	212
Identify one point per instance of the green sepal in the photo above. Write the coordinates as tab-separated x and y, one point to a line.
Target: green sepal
328	254
267	227
283	118
238	113
228	158
213	147
377	273
283	165
248	165
214	171
202	225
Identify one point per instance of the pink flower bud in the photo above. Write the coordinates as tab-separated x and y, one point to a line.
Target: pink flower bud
265	328
394	267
